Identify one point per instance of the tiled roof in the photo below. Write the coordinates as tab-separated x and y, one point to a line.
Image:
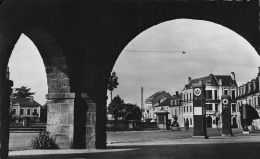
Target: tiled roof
248	92
165	102
226	80
25	102
150	99
179	96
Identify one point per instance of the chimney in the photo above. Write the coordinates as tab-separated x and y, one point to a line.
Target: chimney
233	77
220	82
177	93
189	79
31	98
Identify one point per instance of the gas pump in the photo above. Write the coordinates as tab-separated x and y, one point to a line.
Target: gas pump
199	111
226	115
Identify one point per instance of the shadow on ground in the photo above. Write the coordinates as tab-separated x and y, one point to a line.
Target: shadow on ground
183	151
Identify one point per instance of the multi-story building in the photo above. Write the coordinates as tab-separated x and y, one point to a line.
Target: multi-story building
155	102
216	86
250	92
25	107
176	109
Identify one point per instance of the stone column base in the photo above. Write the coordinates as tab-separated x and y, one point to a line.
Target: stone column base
60	118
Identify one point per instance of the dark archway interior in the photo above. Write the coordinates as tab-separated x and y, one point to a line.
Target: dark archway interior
80	41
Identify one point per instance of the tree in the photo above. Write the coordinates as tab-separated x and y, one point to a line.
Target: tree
22	92
112	83
132	112
116	108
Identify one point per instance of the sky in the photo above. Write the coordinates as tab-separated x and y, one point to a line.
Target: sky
155	60
27	69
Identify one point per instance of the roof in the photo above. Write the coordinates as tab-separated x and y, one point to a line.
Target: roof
164	102
25	102
226	80
150	99
176	97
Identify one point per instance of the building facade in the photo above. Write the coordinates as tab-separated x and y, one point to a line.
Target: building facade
176	109
250	93
154	103
25	107
216	86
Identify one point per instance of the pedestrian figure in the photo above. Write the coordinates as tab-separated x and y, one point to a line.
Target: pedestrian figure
187	124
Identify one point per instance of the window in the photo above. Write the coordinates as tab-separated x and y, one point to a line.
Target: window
28	111
187	96
190	96
233	94
216	107
225	92
175	112
190	121
22	112
249	102
14	111
208	94
35	110
233	107
216	94
187	108
190	109
208	106
183	108
255	101
184	97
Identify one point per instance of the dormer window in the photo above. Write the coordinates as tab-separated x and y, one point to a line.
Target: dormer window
249	87
208	82
232	82
254	85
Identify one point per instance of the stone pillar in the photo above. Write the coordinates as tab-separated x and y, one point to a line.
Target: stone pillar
101	121
5	92
90	122
60	119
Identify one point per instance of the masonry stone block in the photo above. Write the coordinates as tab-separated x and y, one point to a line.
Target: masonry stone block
54	89
90	130
66	129
90	141
88	118
67	108
54	107
93	121
49	70
62	101
60	119
53	129
50	118
63	140
58	82
60	96
70	119
91	107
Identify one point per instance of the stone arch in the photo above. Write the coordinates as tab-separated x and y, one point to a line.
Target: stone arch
60	104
